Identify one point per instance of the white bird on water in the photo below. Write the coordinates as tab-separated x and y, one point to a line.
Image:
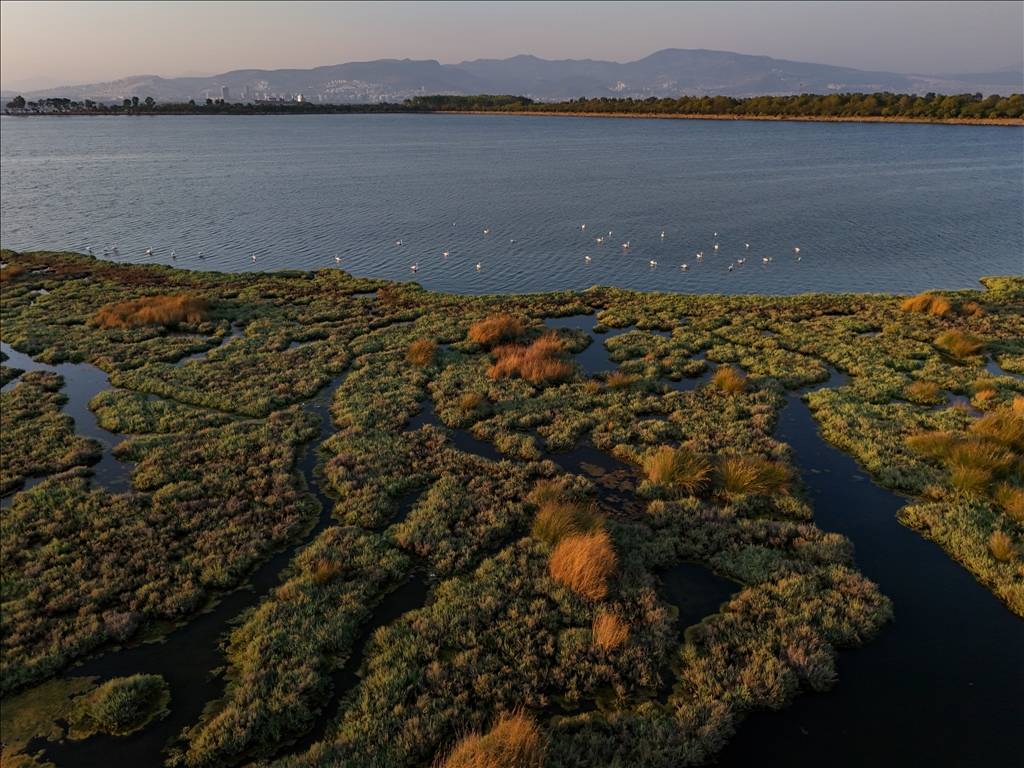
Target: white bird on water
599	240
731	267
337	259
741	261
253	257
479	266
653	263
149	251
586	259
747	245
415	267
445	254
398	242
487	231
700	255
684	267
797	249
766	259
201	256
663	234
716	246
625	245
88	250
716	234
512	240
173	256
583	227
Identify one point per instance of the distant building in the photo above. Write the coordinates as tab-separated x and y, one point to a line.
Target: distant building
299	98
225	93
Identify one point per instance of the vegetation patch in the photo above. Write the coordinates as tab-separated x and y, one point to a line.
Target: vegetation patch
153	310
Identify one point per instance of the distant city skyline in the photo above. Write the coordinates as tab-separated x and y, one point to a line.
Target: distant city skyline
100	41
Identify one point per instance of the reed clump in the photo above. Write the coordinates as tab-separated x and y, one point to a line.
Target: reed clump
542	362
928	304
584	563
730	380
680	468
556	519
1001	546
960	344
496	329
752	475
421	352
514	741
153	310
924	392
1010	499
609	631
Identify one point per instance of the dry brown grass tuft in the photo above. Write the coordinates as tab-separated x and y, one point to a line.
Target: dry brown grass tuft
973	480
514	741
752	475
609	631
1001	546
421	352
584	563
927	303
12	272
1017	406
960	344
543	362
470	402
496	329
679	468
923	392
557	519
324	570
619	380
980	453
935	445
1011	499
1003	427
730	380
972	309
152	310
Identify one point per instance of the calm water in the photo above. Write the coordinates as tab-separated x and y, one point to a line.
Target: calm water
872	207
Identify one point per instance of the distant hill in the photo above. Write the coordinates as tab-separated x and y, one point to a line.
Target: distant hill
671	72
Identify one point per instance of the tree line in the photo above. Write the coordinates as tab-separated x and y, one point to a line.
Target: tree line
930	106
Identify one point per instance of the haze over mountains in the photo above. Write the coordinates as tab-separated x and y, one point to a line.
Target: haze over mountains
667	73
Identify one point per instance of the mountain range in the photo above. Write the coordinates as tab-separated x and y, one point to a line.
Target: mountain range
667	73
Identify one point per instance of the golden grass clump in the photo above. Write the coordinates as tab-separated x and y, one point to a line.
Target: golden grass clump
1003	427
935	445
960	344
471	401
514	741
752	475
927	303
495	329
679	468
972	309
11	272
1001	546
421	352
324	570
543	362
973	480
730	380
584	563
1011	499
557	519
609	631
1017	406
923	392
980	453
619	380
152	310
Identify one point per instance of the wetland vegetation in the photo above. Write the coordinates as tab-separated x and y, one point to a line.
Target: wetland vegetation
535	506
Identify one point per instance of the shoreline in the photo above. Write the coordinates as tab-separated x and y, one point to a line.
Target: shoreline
994	121
1003	122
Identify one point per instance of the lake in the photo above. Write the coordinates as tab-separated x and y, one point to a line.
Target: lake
895	208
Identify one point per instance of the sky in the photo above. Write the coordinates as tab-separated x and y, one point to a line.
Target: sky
46	44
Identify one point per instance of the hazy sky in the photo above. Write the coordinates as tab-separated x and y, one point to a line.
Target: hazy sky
44	44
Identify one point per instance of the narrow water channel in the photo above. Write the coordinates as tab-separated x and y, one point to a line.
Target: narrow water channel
940	686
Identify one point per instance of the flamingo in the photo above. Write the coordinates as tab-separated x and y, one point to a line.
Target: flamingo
398	242
731	267
583	227
253	257
173	257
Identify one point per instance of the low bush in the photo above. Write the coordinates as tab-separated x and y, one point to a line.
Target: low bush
496	329
584	563
1003	427
679	468
1011	499
152	310
935	445
421	352
924	392
120	705
619	380
514	741
730	380
470	402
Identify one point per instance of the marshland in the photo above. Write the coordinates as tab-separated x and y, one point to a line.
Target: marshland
304	518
